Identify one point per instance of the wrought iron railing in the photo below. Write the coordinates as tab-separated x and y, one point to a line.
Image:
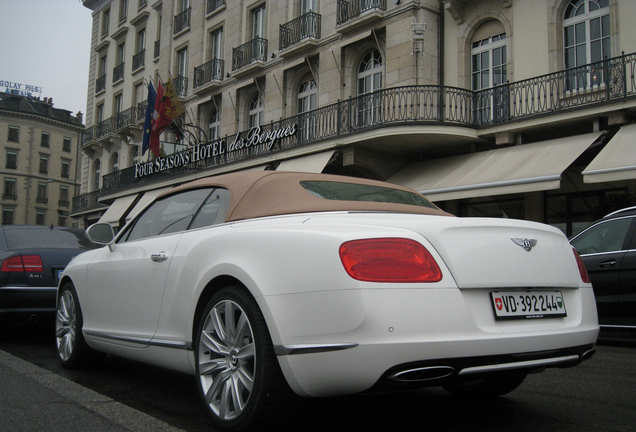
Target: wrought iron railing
351	9
118	72
254	50
212	5
181	85
533	98
100	84
182	20
208	72
139	59
87	201
306	26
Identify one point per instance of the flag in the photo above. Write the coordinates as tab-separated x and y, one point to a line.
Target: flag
154	135
150	110
171	107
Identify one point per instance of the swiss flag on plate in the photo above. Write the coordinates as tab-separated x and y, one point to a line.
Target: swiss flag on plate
498	303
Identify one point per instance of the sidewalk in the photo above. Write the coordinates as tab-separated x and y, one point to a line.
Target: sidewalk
34	399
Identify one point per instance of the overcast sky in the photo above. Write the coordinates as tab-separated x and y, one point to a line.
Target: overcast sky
46	43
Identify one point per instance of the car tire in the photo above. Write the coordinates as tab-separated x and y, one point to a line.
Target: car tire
72	349
497	385
239	378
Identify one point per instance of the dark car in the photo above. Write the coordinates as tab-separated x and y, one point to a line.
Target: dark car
608	249
31	260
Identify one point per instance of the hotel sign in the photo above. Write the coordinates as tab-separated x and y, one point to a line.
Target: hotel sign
20	89
199	152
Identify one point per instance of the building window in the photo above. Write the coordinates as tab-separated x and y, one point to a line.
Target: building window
39	218
258	22
105	22
97	169
114	162
181	81
14	134
9	189
12	160
42	195
256	109
586	39
44	164
66	145
214	126
100	113
134	155
7	216
61	220
370	74
139	57
489	62
66	168
307	92
216	45
123	10
63	201
45	140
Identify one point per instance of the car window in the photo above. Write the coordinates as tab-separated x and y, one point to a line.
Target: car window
30	238
605	237
167	215
358	192
214	211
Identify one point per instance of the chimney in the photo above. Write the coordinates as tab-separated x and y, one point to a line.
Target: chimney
80	117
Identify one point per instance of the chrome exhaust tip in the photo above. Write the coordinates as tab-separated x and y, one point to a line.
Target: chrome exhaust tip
588	354
421	374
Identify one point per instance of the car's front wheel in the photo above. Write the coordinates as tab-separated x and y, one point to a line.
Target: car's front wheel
239	376
493	386
72	349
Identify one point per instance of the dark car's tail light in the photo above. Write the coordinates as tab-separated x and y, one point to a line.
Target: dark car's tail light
389	260
585	277
25	263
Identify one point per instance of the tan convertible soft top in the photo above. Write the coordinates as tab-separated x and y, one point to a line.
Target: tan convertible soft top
269	193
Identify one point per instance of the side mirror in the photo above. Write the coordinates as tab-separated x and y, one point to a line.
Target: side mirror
100	233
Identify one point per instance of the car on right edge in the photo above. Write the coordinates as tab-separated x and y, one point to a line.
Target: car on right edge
608	249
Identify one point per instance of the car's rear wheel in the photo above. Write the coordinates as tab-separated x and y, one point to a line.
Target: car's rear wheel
72	349
493	386
239	376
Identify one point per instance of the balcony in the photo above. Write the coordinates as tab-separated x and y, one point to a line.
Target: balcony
352	14
182	21
181	85
609	84
213	5
41	200
250	55
208	73
118	72
100	84
138	60
87	202
299	34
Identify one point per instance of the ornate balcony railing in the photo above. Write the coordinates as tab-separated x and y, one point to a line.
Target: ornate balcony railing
306	26
350	9
181	85
208	72
182	20
118	72
254	50
212	5
606	82
100	84
139	59
87	201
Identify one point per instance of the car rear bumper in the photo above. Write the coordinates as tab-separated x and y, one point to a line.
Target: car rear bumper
342	342
32	303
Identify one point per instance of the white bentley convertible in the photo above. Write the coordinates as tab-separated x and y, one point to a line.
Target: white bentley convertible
259	282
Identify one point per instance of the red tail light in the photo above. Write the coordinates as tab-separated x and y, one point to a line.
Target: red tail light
585	277
26	263
389	260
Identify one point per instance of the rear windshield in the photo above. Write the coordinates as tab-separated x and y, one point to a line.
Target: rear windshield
46	238
358	192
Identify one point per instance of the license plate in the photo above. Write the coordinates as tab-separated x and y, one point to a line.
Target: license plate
59	275
528	304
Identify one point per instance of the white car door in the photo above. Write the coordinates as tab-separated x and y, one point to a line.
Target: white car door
125	284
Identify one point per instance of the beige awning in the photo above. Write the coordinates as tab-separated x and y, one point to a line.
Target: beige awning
145	199
518	169
313	163
617	161
117	209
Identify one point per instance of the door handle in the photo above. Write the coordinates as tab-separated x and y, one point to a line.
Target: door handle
607	264
159	257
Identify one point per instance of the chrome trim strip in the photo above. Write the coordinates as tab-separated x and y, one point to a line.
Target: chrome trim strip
519	365
28	288
188	346
312	349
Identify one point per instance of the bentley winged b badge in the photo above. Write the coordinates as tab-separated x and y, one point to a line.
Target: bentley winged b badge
527	244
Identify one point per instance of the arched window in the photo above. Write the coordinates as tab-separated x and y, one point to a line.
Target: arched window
214	126
370	72
307	92
97	171
586	39
255	113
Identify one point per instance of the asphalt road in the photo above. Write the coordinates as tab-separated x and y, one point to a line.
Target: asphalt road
598	395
